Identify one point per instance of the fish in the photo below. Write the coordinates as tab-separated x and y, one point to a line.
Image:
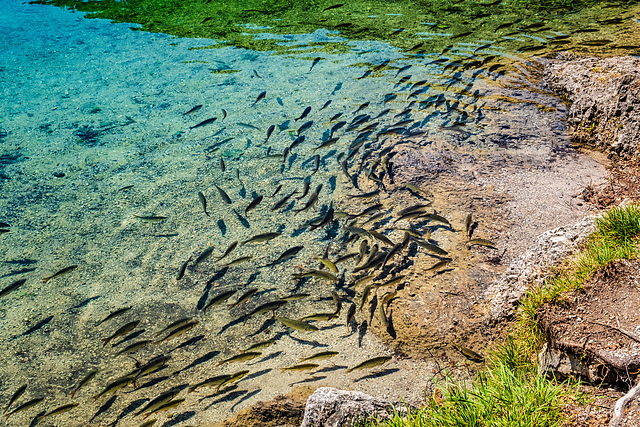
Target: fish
224	114
19	392
305	126
203	201
283	201
114	314
361	107
364	279
403	69
90	375
335	6
174	325
298	325
60	273
245	297
260	346
238	261
388	297
12	287
132	348
469	354
270	306
228	251
393	281
60	410
351	313
316	164
255	202
219	299
269	132
384	239
261	95
329	142
327	263
316	273
432	248
313	199
121	331
345	257
242	357
25	406
151	218
116	385
224	195
159	401
376	361
183	268
313	64
304	113
204	255
300	367
416	189
323	317
326	104
365	196
436	217
365	295
168	405
365	75
289	253
193	110
150	367
223	167
481	242
414	208
210	382
233	378
383	317
440	264
204	122
335	117
277	191
179	331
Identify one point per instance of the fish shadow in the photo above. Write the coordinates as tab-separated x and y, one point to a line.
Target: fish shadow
308	380
246	397
177	419
379	374
362	331
331	369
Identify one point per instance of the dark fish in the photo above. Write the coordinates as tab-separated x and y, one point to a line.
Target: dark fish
316	164
204	255
438	265
193	110
269	132
361	107
366	74
277	190
247	125
183	268
313	199
481	242
92	373
151	218
219	299
121	331
305	126
204	122
366	195
32	329
60	273
335	117
326	104
270	306
114	314
228	251
203	201
260	96
132	348
313	64
245	297
335	6
223	167
337	126
19	392
255	202
305	189
284	200
159	401
289	253
179	331
224	195
403	69
224	114
469	354
174	325
327	143
376	361
12	287
238	261
25	406
351	314
303	115
261	238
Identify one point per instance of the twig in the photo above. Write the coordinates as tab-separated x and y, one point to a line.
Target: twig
618	409
629	334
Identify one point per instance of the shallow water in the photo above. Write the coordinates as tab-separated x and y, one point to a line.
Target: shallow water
95	134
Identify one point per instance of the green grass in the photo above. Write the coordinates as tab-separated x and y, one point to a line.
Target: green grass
510	392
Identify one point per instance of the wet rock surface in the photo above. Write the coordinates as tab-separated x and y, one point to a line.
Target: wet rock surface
605	100
330	407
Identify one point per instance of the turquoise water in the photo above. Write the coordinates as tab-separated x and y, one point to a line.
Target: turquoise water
97	134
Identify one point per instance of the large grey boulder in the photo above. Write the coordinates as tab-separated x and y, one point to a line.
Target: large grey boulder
330	407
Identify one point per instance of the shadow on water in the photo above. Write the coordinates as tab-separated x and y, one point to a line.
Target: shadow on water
379	374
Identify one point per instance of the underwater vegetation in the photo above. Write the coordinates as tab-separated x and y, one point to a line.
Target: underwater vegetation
416	26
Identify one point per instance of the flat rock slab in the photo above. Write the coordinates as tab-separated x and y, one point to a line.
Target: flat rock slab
595	332
605	100
330	407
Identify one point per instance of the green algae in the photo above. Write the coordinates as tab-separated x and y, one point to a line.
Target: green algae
415	26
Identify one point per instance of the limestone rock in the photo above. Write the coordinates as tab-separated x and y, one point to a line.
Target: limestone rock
330	407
